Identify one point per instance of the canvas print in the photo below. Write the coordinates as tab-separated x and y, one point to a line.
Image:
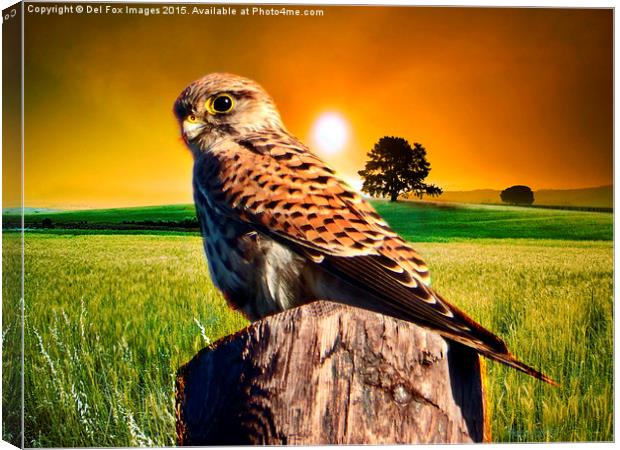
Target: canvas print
306	224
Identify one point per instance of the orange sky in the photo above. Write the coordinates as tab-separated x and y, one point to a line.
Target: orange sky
497	96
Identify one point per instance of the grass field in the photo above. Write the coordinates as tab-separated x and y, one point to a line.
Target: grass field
11	338
417	221
432	222
114	215
110	318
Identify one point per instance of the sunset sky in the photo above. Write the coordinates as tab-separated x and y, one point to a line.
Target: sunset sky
497	96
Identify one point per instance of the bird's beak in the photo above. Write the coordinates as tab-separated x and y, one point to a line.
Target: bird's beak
191	130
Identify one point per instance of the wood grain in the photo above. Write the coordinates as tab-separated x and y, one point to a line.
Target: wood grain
325	373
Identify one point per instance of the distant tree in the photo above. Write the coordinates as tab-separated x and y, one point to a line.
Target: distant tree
394	168
517	195
47	223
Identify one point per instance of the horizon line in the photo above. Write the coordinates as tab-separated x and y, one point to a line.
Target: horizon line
185	203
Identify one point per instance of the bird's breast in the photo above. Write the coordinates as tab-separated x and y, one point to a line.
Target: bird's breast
257	275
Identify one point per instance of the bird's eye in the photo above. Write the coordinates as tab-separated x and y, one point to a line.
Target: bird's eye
192	118
220	104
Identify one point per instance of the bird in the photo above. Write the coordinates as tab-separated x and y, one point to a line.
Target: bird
280	228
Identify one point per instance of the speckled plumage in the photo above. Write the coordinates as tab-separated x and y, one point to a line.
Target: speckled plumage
280	229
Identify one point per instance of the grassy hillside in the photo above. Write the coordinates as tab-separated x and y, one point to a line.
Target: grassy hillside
165	218
416	221
484	196
112	216
428	222
601	197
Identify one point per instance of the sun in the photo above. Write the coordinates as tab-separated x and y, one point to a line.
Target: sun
330	132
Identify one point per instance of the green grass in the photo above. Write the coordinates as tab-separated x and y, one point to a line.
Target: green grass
115	215
553	305
416	221
11	338
109	319
439	222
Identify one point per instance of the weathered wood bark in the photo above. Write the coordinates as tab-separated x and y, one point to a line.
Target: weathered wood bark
331	374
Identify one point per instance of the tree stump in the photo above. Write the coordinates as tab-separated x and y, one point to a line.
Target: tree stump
325	373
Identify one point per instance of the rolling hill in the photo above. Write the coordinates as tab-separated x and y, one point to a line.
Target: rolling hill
415	221
597	197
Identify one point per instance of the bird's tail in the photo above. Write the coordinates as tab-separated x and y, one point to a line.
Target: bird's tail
500	354
504	357
490	345
512	361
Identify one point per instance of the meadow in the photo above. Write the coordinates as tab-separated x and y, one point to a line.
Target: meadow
110	318
415	221
447	222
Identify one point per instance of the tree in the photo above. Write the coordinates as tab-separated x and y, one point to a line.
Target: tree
394	168
517	195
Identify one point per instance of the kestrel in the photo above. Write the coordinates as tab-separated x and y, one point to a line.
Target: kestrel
280	229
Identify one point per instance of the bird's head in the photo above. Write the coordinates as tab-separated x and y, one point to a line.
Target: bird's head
221	105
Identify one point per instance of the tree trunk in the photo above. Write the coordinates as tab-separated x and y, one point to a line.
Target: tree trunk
326	373
394	196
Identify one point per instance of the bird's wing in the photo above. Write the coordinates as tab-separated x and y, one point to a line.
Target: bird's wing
276	185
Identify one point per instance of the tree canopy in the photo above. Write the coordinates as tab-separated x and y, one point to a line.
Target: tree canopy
517	195
394	168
